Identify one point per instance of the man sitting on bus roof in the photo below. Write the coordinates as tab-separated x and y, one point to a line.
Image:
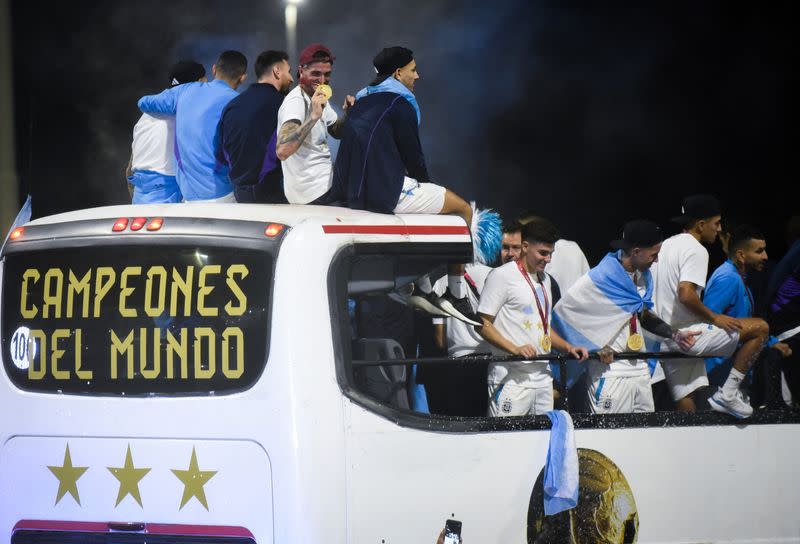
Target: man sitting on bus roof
151	170
202	173
380	165
305	120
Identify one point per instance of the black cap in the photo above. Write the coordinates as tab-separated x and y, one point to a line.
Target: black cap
185	71
391	58
698	207
639	233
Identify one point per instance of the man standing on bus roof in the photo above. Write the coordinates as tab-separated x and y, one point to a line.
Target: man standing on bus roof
305	120
679	278
249	132
608	307
151	169
516	310
202	171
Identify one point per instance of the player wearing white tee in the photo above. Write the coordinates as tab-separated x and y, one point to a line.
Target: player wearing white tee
305	121
568	264
151	169
463	385
623	386
516	311
679	278
458	337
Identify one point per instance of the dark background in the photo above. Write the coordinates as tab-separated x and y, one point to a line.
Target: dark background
587	115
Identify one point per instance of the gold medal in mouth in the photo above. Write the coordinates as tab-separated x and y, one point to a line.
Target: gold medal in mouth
326	90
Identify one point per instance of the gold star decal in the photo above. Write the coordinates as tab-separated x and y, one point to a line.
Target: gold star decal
527	324
128	477
539	326
193	481
68	478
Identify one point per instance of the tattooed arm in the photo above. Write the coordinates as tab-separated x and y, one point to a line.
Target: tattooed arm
292	132
291	136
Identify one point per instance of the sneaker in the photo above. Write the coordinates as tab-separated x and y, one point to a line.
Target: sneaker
421	302
735	406
459	308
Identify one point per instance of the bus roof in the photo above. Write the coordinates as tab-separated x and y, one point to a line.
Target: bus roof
286	214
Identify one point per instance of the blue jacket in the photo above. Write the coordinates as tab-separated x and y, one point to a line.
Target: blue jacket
726	293
379	147
202	173
249	135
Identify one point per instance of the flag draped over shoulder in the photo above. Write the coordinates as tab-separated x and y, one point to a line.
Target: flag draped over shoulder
598	305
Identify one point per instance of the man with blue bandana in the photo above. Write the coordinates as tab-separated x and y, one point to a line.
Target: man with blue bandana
380	166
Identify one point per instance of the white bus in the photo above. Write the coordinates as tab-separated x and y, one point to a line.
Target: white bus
185	373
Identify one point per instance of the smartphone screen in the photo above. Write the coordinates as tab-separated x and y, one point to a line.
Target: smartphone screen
452	532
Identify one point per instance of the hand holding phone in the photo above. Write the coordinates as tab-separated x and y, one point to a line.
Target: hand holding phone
452	532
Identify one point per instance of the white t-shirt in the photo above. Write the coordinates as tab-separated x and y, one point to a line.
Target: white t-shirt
682	258
462	338
507	296
307	172
153	147
567	264
625	368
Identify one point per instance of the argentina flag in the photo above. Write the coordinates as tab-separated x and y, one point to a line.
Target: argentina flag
598	305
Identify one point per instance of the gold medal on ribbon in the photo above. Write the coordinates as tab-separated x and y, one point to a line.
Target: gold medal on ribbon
547	344
635	342
326	90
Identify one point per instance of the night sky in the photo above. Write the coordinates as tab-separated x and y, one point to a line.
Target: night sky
588	116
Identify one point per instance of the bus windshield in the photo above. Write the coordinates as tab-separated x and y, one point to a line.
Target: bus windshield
137	319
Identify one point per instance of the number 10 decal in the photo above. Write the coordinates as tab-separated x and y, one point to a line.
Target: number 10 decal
23	349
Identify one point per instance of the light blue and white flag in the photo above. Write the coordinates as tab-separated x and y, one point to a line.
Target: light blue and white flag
598	305
561	475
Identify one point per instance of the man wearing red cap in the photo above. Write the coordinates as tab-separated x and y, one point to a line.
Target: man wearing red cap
305	123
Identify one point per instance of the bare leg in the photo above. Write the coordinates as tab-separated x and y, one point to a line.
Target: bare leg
455	205
752	337
686	404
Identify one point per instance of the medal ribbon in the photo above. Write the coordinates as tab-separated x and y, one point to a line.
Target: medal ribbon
542	314
633	327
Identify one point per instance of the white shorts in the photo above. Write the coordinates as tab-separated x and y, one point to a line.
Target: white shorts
508	399
620	395
419	197
686	375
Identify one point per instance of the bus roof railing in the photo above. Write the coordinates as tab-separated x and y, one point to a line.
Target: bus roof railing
476	358
559	358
